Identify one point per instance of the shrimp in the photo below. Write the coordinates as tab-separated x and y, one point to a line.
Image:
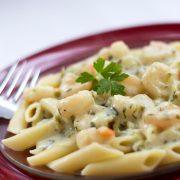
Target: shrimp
69	86
105	53
164	117
156	51
157	80
133	85
176	69
102	135
76	104
119	49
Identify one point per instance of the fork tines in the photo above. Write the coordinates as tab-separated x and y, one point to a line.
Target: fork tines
13	81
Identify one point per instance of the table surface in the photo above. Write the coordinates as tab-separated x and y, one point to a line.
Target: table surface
29	26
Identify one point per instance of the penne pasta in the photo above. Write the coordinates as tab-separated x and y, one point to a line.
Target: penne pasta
33	113
50	106
18	121
57	150
89	154
135	162
124	143
40	92
172	153
30	136
52	80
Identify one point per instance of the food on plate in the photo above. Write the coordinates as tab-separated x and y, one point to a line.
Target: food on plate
115	113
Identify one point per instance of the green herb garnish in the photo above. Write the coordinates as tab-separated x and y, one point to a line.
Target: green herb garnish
107	78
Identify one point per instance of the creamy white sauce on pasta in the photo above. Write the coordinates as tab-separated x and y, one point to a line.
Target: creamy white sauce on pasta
74	128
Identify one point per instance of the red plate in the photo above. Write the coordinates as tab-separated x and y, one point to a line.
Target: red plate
52	59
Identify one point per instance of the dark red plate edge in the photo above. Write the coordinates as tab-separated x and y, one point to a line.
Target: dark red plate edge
73	43
97	40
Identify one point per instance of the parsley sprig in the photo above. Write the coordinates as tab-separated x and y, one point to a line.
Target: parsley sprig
106	79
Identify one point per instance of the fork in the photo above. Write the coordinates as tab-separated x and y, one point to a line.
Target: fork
10	91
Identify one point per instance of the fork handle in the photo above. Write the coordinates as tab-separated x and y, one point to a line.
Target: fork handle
6	109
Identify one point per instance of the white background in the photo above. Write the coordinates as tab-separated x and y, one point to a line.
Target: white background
27	26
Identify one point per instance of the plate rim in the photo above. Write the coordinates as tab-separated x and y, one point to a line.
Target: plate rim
91	35
83	38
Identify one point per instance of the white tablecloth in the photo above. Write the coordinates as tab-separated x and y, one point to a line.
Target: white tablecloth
29	26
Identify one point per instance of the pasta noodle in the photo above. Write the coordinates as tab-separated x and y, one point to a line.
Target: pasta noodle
52	80
133	162
40	92
33	113
50	106
33	134
124	143
57	150
18	121
92	153
172	153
